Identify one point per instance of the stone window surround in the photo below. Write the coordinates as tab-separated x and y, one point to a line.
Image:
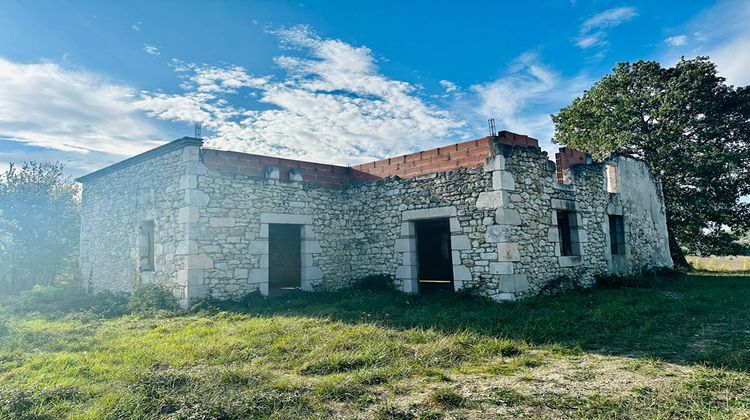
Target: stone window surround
578	234
617	262
406	244
310	246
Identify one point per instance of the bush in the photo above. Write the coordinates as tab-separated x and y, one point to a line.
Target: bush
374	282
560	285
56	300
154	297
648	277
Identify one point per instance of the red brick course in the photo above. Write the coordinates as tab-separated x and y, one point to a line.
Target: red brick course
442	159
567	158
468	154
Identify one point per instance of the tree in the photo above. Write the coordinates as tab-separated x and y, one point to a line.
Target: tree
693	131
39	224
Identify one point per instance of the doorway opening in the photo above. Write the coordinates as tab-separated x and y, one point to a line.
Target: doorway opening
435	263
284	258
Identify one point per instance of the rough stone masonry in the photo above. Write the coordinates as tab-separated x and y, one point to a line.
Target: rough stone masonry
201	221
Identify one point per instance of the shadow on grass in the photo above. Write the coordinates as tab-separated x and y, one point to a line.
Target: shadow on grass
695	319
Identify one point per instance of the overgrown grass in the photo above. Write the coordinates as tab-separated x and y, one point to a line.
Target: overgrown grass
678	348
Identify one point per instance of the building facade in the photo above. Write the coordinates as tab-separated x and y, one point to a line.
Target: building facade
493	214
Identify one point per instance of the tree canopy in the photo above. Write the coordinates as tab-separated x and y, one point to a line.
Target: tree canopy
39	225
690	127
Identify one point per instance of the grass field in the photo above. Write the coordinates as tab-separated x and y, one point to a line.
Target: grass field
678	349
724	264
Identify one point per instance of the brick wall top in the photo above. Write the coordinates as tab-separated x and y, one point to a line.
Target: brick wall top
467	154
255	166
565	159
460	155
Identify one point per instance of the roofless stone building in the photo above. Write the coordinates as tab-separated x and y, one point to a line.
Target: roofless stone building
492	214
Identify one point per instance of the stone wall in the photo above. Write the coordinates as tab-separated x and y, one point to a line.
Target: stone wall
115	203
212	214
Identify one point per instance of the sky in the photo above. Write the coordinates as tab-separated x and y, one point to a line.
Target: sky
91	83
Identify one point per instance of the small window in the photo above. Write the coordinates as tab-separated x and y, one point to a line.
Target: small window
565	224
617	234
612	178
146	246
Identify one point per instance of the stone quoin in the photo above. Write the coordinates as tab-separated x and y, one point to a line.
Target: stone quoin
494	215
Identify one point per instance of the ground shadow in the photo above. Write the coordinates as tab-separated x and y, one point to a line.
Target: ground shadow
697	319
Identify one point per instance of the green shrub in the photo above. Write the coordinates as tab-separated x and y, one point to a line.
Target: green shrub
374	282
646	279
154	297
561	285
57	300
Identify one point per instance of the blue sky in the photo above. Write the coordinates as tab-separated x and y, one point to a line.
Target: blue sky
90	83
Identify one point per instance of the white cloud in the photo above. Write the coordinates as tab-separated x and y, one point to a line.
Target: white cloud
522	99
593	30
151	49
677	40
45	105
722	33
333	105
449	86
136	26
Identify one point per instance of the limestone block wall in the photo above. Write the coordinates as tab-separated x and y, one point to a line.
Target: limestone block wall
212	210
114	206
232	231
383	215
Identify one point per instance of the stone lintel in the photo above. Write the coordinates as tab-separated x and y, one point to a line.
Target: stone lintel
289	219
431	213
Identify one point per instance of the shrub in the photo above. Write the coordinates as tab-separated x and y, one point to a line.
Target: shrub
622	282
56	300
560	285
648	277
154	297
374	282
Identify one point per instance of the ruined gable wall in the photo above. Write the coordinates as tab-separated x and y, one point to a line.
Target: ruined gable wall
640	200
113	207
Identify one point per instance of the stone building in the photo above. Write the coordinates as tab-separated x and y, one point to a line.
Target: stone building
493	214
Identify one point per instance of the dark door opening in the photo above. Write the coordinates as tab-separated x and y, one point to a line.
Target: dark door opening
434	255
284	258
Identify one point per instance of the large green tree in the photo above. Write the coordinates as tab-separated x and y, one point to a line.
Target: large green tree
690	127
39	223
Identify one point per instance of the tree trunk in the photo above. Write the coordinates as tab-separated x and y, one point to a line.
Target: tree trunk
678	257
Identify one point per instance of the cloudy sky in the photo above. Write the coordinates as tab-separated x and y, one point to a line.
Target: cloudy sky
90	83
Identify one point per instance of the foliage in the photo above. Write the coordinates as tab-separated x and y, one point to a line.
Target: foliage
374	282
561	285
52	301
350	353
60	301
154	297
692	130
39	225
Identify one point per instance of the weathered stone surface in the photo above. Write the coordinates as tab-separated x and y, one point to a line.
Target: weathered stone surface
212	228
498	233
508	251
503	180
492	199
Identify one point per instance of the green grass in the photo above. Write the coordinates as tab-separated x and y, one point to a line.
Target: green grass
678	349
